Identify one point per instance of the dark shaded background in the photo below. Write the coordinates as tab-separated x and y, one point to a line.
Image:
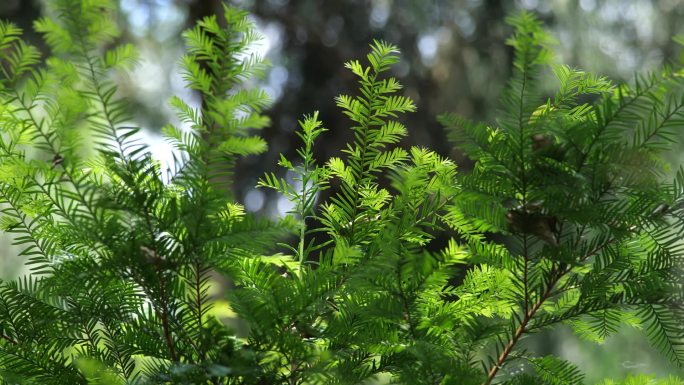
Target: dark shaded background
454	59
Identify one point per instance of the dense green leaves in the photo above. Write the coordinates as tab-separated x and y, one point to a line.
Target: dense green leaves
593	242
123	262
401	269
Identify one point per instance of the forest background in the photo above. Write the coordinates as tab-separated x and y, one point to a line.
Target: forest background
454	58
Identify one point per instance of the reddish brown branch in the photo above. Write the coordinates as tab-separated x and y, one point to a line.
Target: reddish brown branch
198	299
556	275
164	315
8	339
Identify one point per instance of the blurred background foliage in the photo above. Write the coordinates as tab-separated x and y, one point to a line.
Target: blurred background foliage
454	59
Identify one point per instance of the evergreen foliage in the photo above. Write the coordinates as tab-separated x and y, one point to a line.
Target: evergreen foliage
565	218
593	234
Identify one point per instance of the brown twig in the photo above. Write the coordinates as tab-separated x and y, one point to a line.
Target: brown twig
163	314
9	339
556	275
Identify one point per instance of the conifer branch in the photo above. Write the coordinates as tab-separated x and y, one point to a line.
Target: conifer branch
9	339
603	125
557	272
123	262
